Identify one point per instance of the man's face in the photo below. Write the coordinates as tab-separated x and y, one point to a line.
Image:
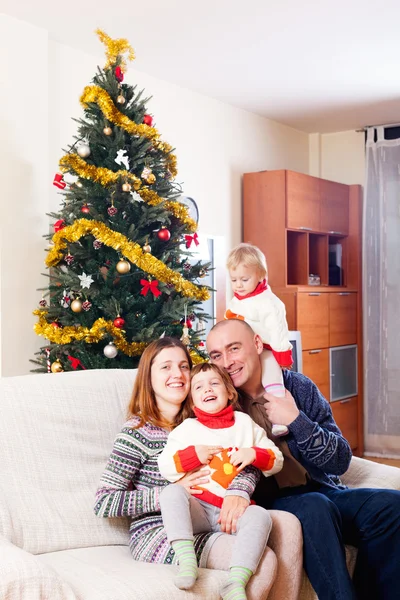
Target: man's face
237	349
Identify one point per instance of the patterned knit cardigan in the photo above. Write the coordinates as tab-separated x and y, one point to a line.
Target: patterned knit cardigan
130	487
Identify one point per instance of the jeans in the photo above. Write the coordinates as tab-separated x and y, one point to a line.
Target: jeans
366	518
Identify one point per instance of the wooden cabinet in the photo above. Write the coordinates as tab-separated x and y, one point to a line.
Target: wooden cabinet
302	202
296	220
313	319
342	319
334	198
316	367
345	413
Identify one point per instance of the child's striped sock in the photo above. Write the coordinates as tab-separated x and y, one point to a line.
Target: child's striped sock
187	575
234	589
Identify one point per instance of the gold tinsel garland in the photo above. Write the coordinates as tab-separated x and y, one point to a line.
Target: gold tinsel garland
95	94
106	177
99	329
115	48
131	250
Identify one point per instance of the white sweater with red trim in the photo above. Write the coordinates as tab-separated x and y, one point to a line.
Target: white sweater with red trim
266	315
179	455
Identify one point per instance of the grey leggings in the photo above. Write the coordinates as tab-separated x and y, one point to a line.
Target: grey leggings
183	515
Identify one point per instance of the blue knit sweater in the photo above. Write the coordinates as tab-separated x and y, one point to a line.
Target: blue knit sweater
314	439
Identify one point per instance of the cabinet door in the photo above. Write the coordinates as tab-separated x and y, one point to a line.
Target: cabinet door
316	367
302	202
342	318
334	207
313	319
345	413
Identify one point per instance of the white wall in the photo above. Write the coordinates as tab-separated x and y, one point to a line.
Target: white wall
338	156
215	145
24	187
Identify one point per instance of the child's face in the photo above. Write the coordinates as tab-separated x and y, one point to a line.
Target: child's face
244	279
209	393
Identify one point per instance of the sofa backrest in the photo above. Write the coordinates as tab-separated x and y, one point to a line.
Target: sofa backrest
56	433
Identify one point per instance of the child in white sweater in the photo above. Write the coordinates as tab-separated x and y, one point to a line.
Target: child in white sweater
227	441
255	303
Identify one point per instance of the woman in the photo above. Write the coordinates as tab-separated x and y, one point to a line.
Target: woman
131	483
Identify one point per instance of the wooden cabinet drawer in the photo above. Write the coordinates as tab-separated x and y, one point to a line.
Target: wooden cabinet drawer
313	319
342	319
316	367
334	207
302	202
345	413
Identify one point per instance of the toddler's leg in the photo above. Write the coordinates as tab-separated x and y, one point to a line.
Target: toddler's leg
272	380
251	540
182	516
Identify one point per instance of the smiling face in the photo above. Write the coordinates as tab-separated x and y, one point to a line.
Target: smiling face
209	392
170	380
233	346
244	279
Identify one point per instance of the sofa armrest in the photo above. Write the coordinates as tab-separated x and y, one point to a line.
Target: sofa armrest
24	577
366	473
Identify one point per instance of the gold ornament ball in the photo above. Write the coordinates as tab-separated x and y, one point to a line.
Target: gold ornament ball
56	367
120	99
107	131
147	248
126	187
76	306
123	267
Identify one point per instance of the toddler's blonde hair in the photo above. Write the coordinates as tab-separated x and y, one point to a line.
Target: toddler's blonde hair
249	256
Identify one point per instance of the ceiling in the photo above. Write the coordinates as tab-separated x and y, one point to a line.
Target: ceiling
315	65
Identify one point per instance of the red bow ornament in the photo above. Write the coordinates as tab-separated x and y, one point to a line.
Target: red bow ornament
60	224
151	286
192	238
58	181
75	362
119	76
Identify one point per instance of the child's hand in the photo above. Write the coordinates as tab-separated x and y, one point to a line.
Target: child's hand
205	453
243	457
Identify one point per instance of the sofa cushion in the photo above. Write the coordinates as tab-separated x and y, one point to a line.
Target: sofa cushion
56	433
109	573
25	577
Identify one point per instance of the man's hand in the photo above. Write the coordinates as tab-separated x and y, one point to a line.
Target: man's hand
193	478
243	457
281	411
232	509
205	453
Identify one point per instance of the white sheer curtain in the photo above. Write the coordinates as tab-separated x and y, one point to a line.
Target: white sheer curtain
381	277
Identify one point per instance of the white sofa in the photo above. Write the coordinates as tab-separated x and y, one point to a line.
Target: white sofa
56	432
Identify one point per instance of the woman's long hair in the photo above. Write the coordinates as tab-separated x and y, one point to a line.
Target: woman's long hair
143	402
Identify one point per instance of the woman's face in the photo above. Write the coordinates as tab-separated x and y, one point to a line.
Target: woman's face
170	380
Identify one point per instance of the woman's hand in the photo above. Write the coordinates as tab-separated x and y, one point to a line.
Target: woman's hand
197	477
205	453
243	457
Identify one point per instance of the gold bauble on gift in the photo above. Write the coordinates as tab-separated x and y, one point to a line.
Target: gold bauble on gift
76	305
123	266
56	367
107	131
121	99
126	187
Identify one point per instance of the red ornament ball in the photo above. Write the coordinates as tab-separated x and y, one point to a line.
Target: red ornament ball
164	234
119	322
148	120
85	209
55	324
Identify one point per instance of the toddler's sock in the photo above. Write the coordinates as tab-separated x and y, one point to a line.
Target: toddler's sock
187	575
234	588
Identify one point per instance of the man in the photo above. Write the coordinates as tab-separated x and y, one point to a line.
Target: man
308	486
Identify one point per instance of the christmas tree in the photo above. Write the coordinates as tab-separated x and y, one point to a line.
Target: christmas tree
121	270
